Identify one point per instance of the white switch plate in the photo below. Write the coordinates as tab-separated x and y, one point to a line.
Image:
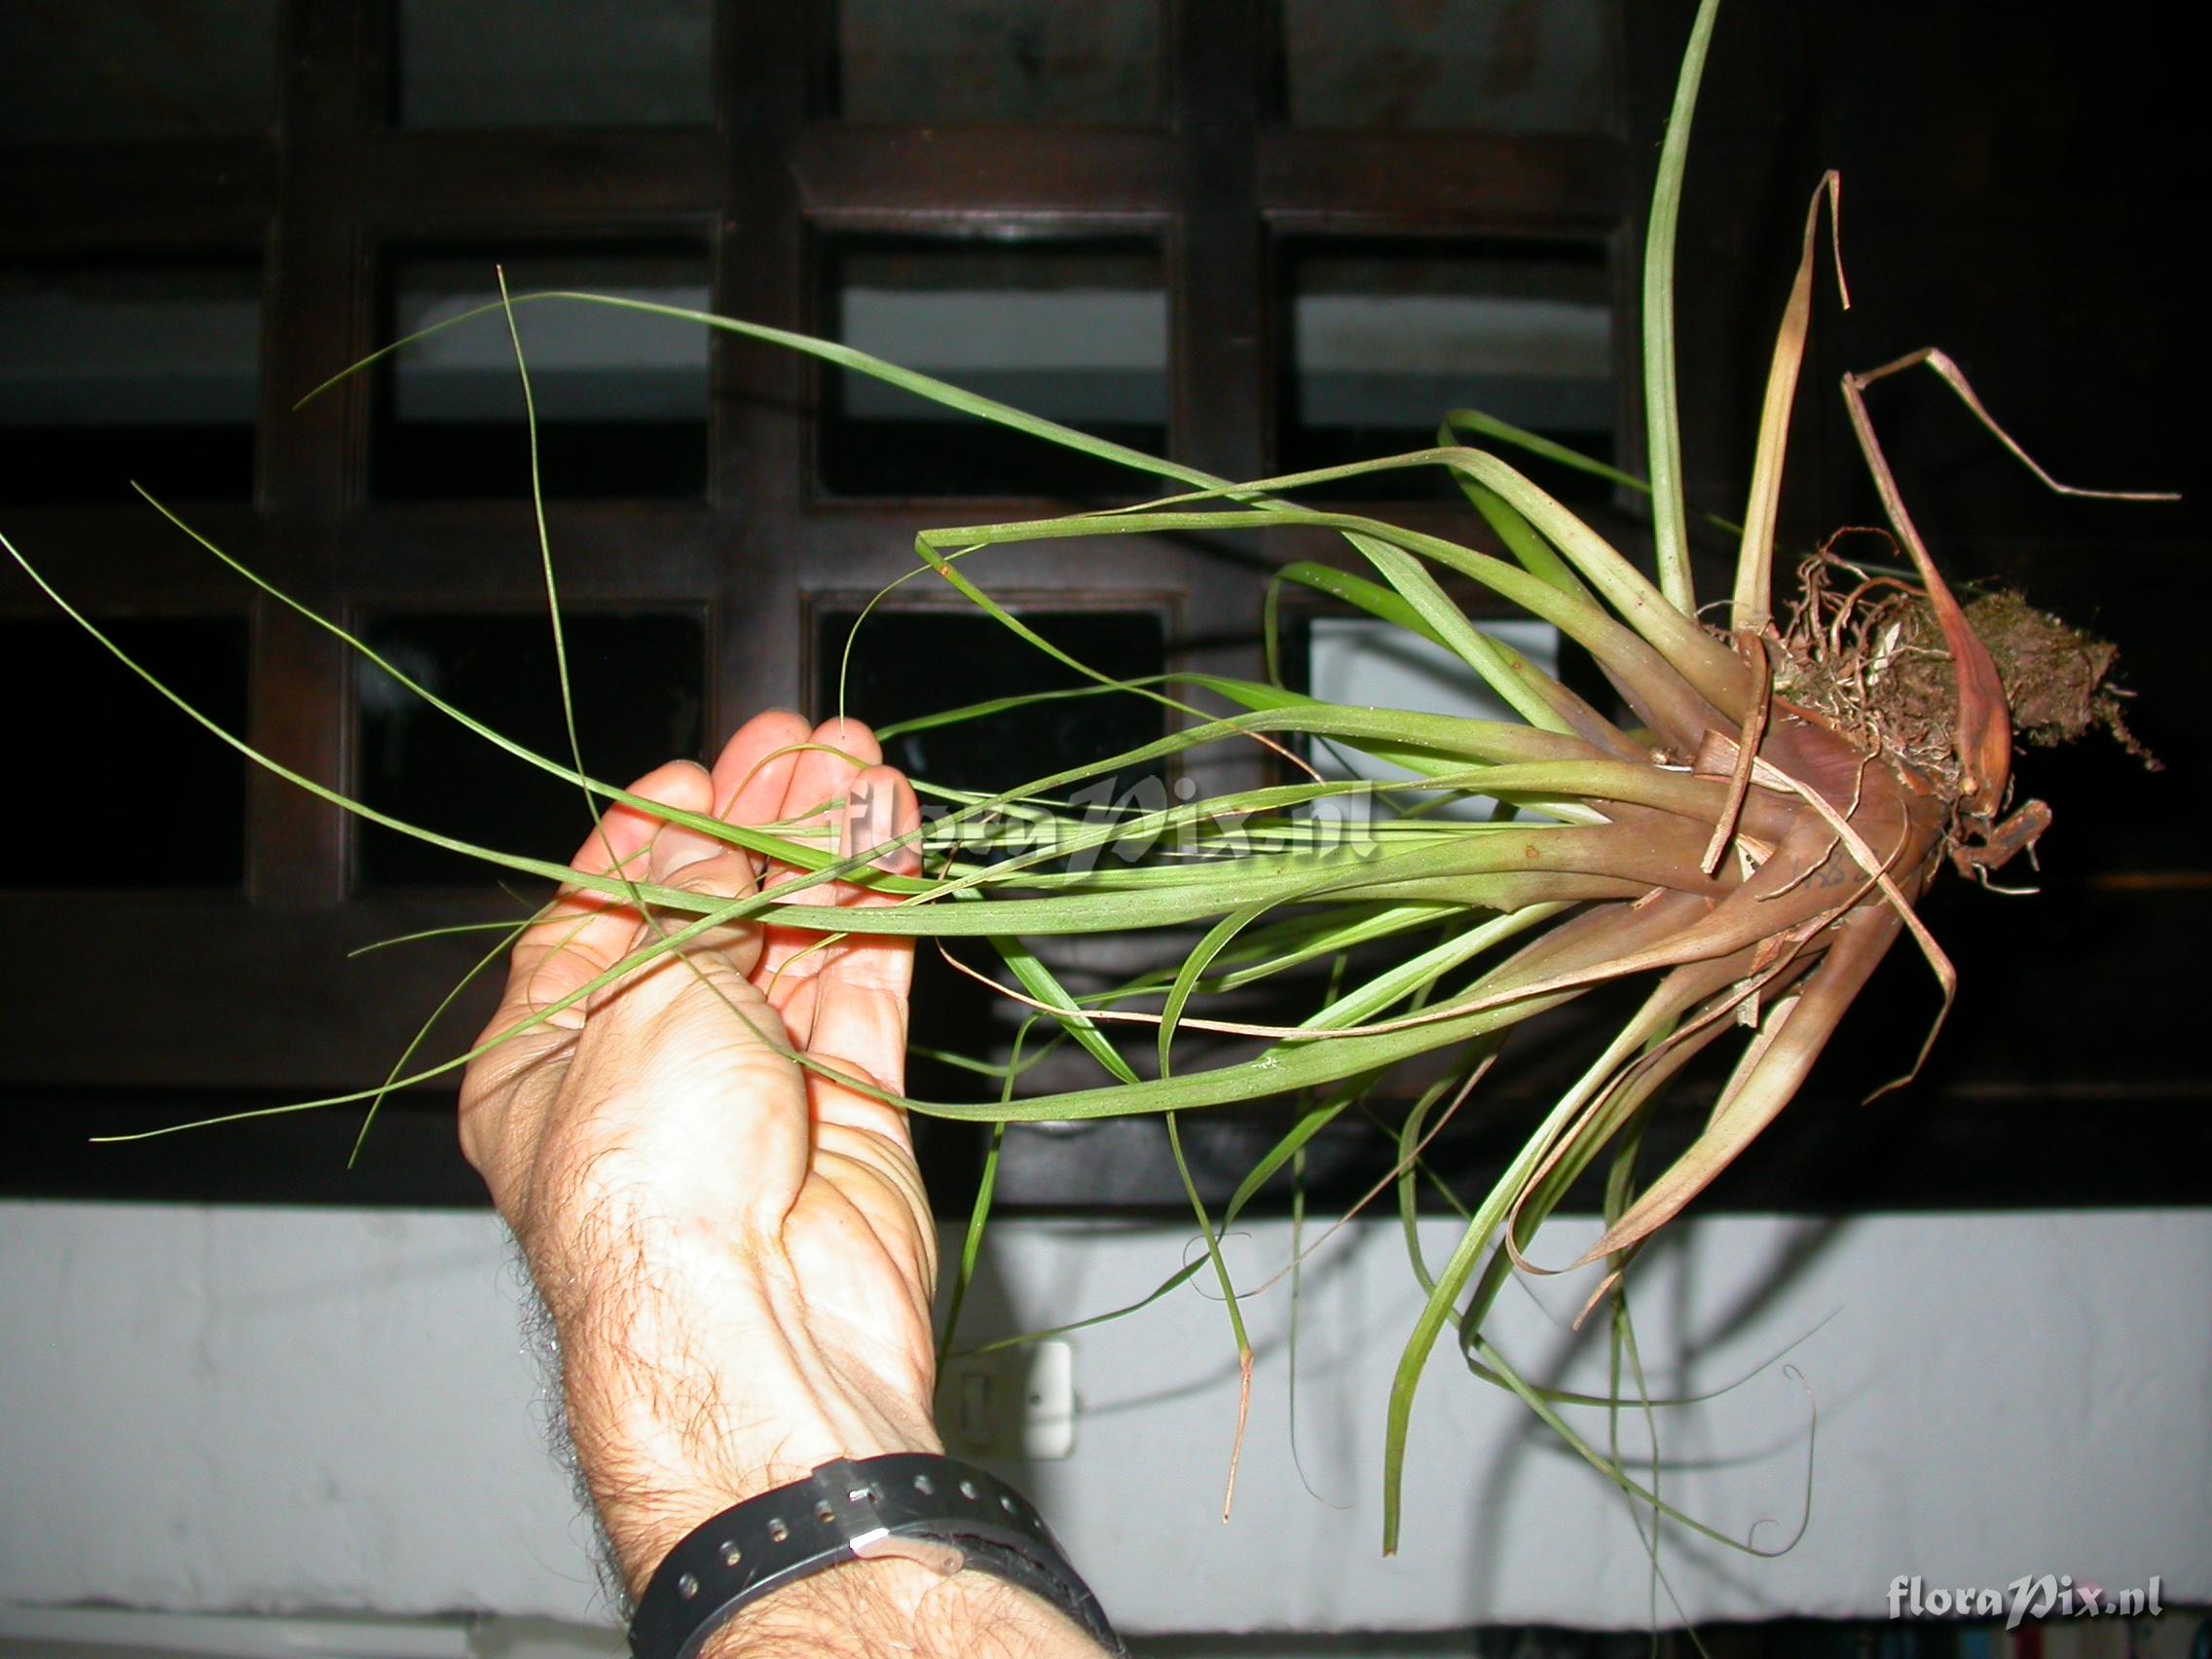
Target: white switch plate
1016	1402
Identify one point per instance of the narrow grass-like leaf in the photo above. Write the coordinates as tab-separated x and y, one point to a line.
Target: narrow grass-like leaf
1535	443
1662	419
1228	1302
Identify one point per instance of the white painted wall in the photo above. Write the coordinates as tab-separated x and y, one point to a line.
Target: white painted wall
210	1409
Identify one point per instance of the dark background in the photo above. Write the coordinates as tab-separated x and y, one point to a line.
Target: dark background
2020	187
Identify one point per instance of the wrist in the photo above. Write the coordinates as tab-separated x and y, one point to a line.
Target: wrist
693	1385
651	1493
920	1554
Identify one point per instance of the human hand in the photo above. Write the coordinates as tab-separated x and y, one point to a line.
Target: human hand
736	1252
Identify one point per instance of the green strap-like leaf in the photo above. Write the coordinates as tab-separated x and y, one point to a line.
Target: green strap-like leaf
1662	417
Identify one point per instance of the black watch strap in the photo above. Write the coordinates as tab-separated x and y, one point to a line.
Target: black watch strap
909	1503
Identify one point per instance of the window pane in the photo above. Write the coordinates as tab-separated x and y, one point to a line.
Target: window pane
1384	338
569	64
1500	65
1363	662
183	822
621	395
125	370
904	664
639	685
73	70
1043	60
1074	332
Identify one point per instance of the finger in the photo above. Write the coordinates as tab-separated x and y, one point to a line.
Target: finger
821	798
702	985
755	768
881	817
586	932
837	751
696	861
859	989
581	934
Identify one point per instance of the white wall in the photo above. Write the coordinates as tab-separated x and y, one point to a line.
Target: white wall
216	1409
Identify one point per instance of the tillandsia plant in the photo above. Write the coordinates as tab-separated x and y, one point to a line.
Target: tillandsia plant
1751	837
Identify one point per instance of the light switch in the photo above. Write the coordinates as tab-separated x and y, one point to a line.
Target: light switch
1015	1402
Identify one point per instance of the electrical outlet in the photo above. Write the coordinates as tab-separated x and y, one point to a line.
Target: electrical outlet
1017	1402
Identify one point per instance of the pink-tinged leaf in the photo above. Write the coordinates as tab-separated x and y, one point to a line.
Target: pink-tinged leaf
1753	604
1769	1075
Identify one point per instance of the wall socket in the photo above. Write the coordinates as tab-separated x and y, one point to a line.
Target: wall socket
1016	1402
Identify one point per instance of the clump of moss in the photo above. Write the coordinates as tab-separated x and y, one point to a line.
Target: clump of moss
2057	677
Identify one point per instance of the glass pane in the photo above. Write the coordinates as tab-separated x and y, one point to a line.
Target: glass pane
904	664
556	62
1501	65
73	70
1367	663
125	370
1074	332
639	684
621	395
183	822
1043	60
1384	338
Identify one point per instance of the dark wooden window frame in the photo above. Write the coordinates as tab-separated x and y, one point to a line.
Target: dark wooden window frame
340	185
247	997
